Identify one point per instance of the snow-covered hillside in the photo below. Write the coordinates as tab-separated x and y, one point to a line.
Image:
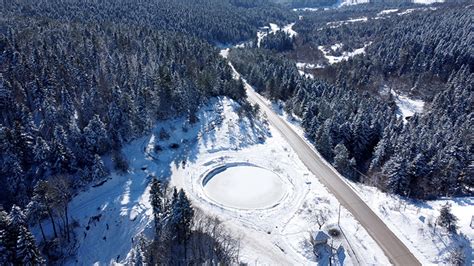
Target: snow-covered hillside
111	216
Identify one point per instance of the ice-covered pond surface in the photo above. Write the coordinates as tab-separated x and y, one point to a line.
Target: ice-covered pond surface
244	187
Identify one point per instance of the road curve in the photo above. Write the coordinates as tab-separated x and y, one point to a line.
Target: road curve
393	248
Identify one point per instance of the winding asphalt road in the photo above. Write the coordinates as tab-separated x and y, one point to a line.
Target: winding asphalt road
393	248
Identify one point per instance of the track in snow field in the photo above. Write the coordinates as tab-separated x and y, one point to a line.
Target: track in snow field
244	187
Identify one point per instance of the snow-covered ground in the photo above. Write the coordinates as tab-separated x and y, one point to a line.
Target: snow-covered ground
311	9
352	2
387	11
110	216
336	24
407	107
304	74
303	67
428	2
272	29
278	234
414	222
357	2
345	55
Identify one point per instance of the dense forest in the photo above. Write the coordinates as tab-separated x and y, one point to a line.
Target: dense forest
361	134
70	92
78	79
416	52
427	54
218	21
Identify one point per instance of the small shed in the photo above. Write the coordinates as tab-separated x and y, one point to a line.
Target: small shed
320	238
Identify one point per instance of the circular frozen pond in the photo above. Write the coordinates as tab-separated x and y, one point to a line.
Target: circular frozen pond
244	187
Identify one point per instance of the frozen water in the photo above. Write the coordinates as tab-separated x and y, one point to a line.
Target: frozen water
245	187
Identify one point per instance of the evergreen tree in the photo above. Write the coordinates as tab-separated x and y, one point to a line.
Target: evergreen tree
446	219
16	220
44	195
98	170
36	211
95	136
397	178
26	249
41	152
323	142
181	217
3	248
342	162
157	199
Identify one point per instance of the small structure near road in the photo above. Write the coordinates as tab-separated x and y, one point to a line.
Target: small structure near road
324	252
320	238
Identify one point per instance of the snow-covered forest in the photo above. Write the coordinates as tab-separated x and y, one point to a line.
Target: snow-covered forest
126	108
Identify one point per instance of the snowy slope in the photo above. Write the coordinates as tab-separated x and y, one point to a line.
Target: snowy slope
110	217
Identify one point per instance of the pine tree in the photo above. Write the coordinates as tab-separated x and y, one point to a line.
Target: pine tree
341	158
446	219
26	250
41	153
43	193
324	141
95	135
397	177
3	248
3	220
40	150
98	170
182	217
35	211
157	203
16	220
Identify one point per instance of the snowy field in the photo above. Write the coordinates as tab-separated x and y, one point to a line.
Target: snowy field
278	234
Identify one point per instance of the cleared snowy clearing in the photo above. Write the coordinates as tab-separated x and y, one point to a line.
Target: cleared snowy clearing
386	12
407	107
272	29
345	55
244	187
301	65
336	24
